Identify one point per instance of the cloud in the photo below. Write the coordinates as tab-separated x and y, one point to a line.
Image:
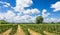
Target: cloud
24	18
22	15
52	20
32	11
5	4
20	4
56	6
1	16
44	14
8	16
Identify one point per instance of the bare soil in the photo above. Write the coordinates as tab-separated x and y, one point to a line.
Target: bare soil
19	31
48	33
33	32
7	32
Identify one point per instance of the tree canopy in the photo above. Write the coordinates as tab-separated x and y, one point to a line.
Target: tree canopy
39	19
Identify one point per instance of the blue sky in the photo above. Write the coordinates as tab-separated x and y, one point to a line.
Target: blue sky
49	9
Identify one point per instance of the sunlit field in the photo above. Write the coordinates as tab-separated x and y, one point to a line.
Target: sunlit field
39	29
29	17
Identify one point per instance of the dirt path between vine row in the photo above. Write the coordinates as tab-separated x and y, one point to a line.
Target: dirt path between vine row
33	32
48	33
7	32
19	31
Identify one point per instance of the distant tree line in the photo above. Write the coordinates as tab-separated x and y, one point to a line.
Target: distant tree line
3	22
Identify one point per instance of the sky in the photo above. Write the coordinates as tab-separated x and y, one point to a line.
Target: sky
21	11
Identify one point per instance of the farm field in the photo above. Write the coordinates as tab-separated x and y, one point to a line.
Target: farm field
29	17
29	29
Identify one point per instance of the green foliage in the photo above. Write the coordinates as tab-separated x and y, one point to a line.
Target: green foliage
39	19
53	28
25	29
36	27
3	28
14	29
52	22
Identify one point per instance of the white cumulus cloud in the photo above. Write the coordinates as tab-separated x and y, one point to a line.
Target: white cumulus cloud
56	6
52	20
5	4
1	16
20	4
32	11
44	14
25	18
24	14
10	16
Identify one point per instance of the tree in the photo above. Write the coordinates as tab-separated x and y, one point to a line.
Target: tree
52	22
39	19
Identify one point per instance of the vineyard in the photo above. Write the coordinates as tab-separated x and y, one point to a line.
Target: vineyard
29	29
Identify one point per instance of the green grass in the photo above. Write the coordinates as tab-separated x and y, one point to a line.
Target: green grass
14	29
3	28
53	28
35	27
25	29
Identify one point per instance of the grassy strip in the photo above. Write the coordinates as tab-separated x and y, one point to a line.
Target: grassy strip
36	28
14	29
25	29
3	28
53	28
